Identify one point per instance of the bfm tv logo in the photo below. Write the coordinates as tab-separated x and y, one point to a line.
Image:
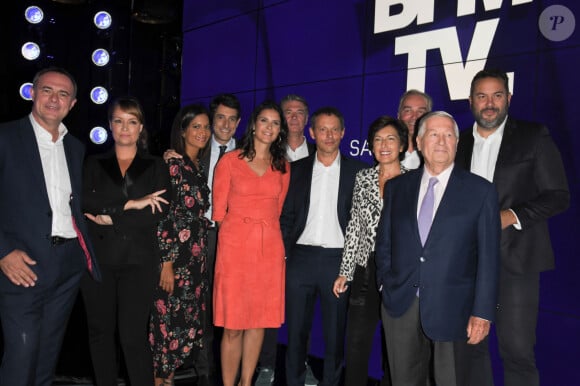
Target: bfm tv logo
556	23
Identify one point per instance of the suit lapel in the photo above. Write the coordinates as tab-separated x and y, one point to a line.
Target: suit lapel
453	194
74	169
505	149
413	197
111	167
30	149
205	160
341	179
466	144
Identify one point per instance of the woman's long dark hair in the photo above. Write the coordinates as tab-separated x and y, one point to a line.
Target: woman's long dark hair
277	148
181	123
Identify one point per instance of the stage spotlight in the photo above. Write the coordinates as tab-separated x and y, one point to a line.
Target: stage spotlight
100	57
70	1
99	95
102	20
30	51
34	14
26	91
98	135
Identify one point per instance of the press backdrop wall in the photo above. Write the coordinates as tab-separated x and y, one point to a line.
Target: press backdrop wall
360	56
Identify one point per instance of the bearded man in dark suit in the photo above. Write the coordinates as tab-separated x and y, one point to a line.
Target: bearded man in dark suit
525	166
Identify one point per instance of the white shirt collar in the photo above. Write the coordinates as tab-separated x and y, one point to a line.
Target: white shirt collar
498	133
231	145
42	135
334	164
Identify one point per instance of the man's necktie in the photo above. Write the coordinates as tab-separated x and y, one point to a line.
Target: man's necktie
222	151
425	218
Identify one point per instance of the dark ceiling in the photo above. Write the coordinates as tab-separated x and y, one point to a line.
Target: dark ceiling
145	46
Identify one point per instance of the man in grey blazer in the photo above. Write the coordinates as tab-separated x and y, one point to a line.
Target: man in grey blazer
525	166
44	248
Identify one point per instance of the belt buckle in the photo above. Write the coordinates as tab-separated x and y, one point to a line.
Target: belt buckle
57	240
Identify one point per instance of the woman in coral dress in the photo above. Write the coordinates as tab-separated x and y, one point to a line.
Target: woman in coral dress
249	188
178	317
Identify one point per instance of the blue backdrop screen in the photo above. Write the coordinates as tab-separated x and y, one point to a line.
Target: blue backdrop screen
360	56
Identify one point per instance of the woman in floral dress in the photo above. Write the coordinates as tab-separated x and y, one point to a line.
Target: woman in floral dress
181	297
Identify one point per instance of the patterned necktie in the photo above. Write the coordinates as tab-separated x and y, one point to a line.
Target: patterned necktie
425	218
222	151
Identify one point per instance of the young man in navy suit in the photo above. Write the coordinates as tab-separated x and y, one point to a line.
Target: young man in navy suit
524	164
44	248
437	256
313	222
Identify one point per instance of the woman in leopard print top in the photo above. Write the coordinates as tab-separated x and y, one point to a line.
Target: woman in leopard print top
388	140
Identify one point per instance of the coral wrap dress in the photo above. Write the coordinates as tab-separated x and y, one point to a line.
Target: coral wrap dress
249	282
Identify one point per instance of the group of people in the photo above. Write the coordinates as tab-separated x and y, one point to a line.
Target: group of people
443	236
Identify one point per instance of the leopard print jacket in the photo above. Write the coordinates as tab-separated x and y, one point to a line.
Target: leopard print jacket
361	230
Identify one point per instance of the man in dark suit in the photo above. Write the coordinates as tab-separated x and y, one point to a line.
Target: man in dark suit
44	248
437	255
313	221
295	110
225	112
412	105
525	166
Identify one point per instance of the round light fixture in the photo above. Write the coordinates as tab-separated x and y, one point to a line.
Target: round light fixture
30	51
99	95
102	20
98	135
100	57
34	14
26	91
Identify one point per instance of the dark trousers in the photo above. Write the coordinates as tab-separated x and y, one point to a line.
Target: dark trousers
206	359
515	328
122	300
473	365
411	351
364	312
310	273
34	319
269	348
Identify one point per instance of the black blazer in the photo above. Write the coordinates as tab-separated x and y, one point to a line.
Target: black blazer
530	179
205	158
297	203
26	215
132	239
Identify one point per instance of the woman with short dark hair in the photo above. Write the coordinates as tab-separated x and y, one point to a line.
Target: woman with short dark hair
387	139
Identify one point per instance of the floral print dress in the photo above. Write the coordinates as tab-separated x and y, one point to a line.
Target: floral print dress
177	320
